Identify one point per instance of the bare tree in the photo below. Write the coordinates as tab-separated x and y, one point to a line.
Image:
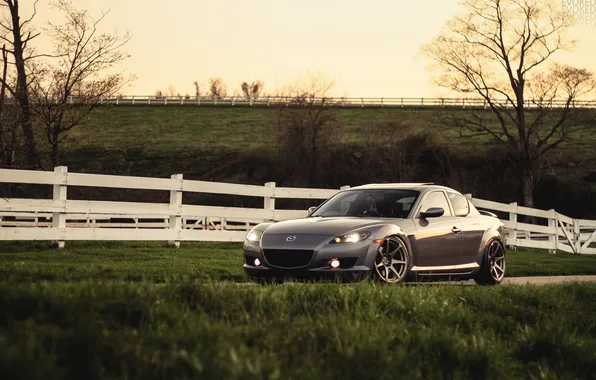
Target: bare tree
74	85
197	88
171	91
252	90
8	125
496	50
308	131
217	88
17	33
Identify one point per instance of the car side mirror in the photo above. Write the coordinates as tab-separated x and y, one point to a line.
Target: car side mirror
311	210
433	212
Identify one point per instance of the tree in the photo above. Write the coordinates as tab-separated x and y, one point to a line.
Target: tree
308	132
8	125
252	90
497	49
197	88
18	34
73	85
171	91
217	88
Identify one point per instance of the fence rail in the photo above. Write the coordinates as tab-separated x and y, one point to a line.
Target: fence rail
336	101
269	101
61	219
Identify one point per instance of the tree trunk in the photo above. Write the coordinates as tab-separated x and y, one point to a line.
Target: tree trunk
528	188
23	90
528	185
55	155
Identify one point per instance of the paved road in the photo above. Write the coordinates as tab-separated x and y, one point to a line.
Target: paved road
546	280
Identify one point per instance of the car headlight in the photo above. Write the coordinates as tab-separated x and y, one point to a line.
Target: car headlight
254	236
352	237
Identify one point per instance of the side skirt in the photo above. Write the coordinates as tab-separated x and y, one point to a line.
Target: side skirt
446	270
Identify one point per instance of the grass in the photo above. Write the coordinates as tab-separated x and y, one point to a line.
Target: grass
145	310
157	262
159	129
222	330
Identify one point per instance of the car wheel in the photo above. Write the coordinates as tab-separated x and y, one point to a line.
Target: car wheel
392	261
492	270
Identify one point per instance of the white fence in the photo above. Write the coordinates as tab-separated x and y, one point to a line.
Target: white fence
269	101
61	219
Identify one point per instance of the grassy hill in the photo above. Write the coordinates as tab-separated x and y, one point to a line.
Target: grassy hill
156	129
239	144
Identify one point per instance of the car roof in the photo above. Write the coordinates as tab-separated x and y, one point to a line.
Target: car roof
422	187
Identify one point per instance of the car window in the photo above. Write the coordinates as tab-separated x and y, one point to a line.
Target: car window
435	199
346	202
460	204
391	203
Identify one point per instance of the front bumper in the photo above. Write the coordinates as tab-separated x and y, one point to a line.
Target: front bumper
357	261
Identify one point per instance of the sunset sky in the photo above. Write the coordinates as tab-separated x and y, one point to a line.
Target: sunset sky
370	48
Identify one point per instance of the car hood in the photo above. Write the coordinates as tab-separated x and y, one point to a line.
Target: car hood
330	226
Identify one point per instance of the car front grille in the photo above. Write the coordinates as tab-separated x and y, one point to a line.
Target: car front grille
288	258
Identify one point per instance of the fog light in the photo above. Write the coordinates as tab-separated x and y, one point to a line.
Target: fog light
257	263
334	263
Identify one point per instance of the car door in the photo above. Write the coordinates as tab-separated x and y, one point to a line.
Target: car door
471	229
438	240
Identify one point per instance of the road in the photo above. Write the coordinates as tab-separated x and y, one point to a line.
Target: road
545	280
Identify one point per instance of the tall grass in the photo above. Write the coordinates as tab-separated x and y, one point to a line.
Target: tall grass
225	330
157	262
149	311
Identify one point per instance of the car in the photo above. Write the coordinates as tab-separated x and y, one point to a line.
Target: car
393	233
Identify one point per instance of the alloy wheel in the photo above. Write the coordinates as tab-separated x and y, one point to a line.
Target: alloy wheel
496	261
391	262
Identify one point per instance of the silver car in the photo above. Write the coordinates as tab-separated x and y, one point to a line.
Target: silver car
392	232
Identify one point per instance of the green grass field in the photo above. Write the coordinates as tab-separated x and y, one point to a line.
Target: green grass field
158	262
146	310
159	129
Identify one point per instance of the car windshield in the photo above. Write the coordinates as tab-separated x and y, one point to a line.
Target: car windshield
388	203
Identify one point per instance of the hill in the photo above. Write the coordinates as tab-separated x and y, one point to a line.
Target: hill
239	144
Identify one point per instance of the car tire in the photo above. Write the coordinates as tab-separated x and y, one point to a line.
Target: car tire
392	261
492	269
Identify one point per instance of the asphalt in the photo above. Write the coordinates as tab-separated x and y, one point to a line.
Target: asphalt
544	280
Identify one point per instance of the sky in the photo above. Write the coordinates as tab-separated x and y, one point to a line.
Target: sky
368	48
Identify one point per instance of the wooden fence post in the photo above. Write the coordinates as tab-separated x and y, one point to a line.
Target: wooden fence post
513	219
553	239
176	203
59	218
577	237
269	203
